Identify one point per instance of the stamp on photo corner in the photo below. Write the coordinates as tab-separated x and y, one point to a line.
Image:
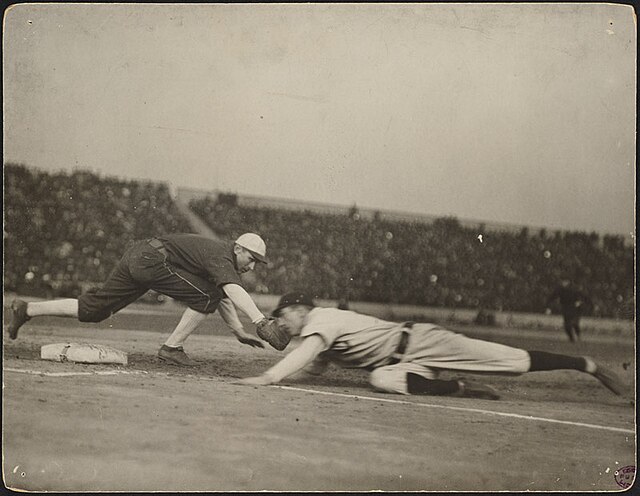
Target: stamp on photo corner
625	476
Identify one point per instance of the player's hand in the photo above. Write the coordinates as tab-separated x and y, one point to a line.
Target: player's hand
260	380
246	338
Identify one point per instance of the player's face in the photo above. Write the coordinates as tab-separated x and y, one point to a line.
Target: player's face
245	261
291	320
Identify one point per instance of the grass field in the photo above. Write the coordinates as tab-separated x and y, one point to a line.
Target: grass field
149	426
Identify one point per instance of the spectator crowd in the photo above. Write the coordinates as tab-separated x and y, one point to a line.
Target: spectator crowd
65	231
439	264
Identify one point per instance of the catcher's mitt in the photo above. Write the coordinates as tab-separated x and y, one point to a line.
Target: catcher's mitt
269	331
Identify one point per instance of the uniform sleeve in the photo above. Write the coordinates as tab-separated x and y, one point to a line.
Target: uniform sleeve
243	301
297	360
227	311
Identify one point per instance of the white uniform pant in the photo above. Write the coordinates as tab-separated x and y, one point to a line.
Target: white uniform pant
431	350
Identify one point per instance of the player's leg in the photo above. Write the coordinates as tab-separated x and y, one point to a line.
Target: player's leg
542	360
22	311
17	316
188	323
118	291
440	348
411	378
568	327
172	350
576	326
67	307
202	298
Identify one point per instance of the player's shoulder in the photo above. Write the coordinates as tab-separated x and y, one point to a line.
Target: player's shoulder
324	312
336	317
334	312
181	237
207	241
325	317
205	245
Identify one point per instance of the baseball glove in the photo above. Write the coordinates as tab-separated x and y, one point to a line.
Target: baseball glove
269	331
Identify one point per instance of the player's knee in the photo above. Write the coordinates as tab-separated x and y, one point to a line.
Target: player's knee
92	308
388	380
91	315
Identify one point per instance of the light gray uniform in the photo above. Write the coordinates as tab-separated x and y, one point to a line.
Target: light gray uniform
353	340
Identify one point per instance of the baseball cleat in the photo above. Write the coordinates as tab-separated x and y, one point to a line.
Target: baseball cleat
609	379
17	317
176	356
475	390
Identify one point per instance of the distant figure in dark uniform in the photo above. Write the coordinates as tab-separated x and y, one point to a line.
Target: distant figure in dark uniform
573	303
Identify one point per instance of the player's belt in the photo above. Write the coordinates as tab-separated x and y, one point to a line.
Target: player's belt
158	245
402	345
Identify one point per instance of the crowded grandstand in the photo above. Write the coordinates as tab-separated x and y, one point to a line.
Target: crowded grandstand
65	231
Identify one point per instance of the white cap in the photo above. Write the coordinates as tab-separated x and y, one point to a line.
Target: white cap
255	244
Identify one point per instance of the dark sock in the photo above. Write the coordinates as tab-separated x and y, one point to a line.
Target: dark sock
541	360
416	384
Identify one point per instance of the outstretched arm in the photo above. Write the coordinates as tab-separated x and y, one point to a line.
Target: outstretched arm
228	313
318	366
243	301
295	361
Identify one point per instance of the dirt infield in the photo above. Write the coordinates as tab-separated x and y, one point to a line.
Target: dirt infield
149	426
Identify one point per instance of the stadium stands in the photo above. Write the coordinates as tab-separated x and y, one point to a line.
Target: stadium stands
65	231
440	263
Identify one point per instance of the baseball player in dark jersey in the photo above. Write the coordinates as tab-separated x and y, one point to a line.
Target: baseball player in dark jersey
201	272
572	304
405	358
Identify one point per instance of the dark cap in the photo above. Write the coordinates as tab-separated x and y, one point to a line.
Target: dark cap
293	299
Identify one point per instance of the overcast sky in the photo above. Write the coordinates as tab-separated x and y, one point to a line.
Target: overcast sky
505	113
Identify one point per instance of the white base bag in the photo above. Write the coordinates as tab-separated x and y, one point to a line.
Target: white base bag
82	353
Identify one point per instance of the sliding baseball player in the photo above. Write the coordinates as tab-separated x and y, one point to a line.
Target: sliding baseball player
402	358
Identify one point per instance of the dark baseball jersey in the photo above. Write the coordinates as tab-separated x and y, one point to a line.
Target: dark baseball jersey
571	299
204	257
193	271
